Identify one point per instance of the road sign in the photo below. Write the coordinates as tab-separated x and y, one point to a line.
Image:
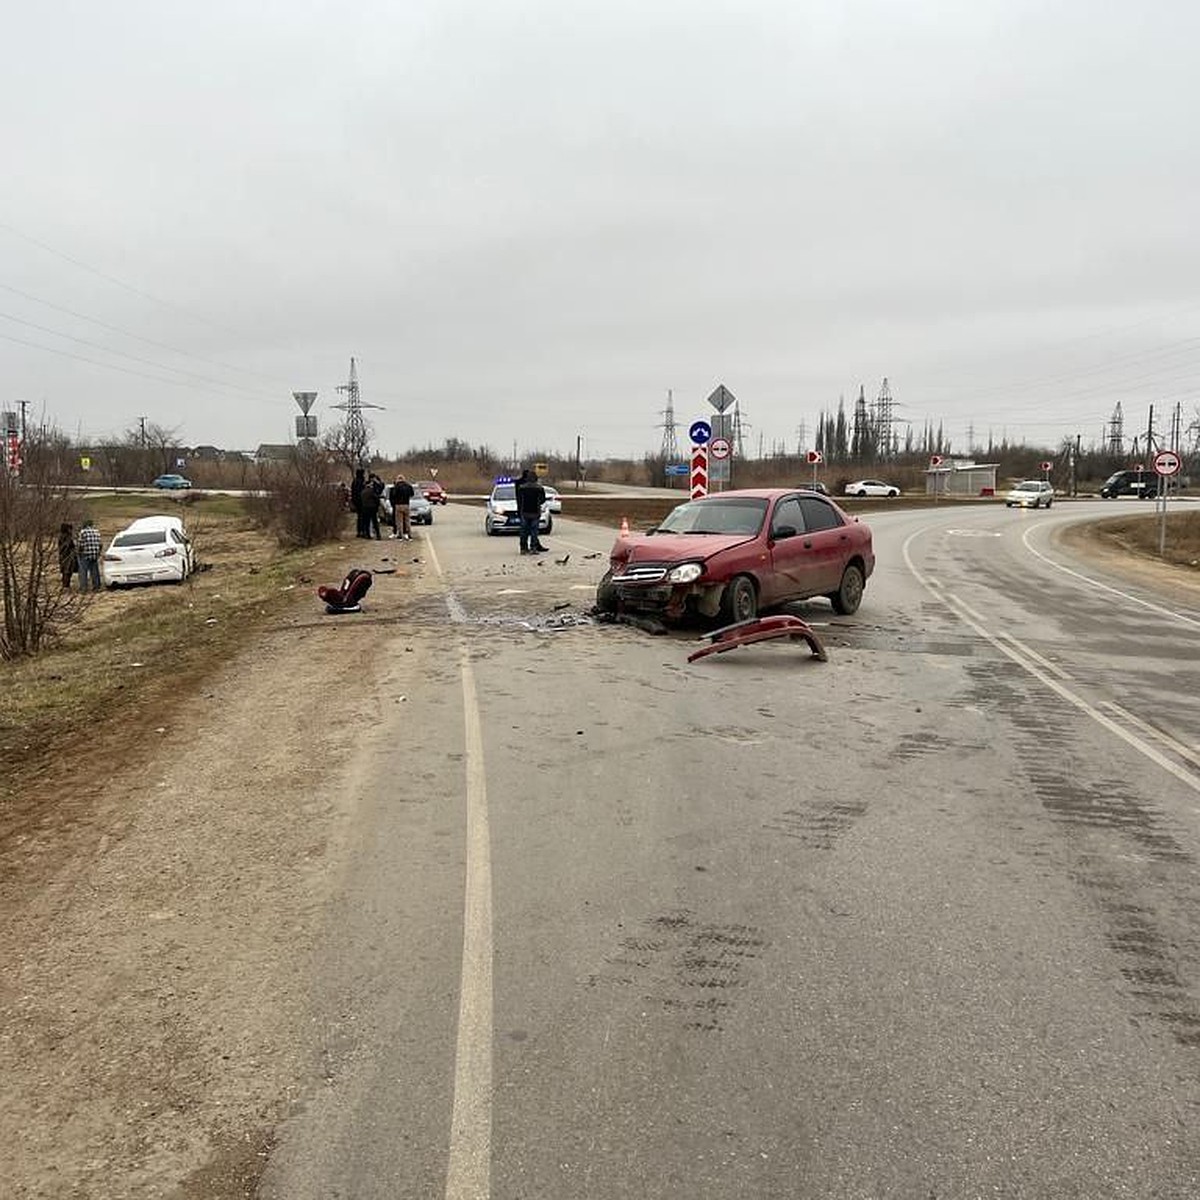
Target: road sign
304	400
722	398
720	448
935	460
1047	466
433	472
700	432
676	469
699	472
1166	462
814	457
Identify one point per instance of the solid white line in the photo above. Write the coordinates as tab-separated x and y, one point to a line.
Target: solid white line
1164	612
468	1173
1167	740
964	614
468	1176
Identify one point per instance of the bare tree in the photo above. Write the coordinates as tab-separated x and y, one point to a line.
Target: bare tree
345	447
33	507
304	504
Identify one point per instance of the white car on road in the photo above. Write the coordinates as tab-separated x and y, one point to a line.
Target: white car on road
872	487
1030	493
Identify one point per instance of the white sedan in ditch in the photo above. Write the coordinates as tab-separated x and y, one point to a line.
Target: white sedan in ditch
150	550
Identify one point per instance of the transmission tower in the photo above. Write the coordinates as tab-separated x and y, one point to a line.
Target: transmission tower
1115	437
669	451
741	427
861	436
882	416
801	438
356	427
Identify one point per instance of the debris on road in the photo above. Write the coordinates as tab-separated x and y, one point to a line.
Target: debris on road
745	633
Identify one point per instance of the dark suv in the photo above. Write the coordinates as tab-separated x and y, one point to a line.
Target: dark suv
1130	483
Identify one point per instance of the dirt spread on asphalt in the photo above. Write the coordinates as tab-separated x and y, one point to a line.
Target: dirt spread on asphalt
153	943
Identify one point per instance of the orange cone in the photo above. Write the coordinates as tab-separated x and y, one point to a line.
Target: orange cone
624	527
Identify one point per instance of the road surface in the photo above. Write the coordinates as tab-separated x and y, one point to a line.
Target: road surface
921	921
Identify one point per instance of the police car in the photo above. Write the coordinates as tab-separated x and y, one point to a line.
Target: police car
501	516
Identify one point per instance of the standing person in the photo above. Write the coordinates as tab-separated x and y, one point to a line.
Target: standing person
89	556
356	502
68	555
531	498
402	494
372	491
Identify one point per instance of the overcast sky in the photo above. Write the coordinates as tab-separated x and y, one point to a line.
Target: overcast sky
528	221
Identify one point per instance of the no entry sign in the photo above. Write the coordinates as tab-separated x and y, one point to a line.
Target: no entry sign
720	448
1166	462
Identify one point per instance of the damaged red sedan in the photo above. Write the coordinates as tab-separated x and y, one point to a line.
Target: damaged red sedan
736	553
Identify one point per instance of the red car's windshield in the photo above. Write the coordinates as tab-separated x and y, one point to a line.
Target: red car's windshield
716	515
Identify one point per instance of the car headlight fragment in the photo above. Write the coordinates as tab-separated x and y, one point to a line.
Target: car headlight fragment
686	573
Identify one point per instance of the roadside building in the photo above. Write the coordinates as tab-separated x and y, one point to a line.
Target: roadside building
961	477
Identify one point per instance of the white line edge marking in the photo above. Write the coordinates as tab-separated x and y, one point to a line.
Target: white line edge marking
1163	612
468	1173
1027	664
1167	740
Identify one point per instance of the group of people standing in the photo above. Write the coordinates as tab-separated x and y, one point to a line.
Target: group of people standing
80	554
368	494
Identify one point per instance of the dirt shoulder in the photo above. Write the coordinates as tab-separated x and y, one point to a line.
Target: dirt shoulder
152	939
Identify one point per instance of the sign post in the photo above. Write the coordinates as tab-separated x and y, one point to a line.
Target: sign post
1166	464
815	459
935	461
699	478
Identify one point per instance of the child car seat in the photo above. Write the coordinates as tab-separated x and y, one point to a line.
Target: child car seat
347	598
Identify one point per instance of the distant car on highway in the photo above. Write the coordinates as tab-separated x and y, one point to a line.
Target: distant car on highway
432	491
150	550
815	486
1030	493
736	553
872	487
553	499
172	482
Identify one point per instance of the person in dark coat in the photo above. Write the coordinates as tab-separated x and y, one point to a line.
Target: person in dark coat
68	556
531	498
371	495
356	494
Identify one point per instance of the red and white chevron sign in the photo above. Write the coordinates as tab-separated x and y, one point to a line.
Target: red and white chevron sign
699	471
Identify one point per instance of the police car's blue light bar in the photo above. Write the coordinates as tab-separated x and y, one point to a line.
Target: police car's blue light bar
505	479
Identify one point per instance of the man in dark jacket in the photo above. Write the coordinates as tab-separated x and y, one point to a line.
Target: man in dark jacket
362	529
531	498
372	493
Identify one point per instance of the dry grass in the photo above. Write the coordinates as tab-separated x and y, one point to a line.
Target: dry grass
1139	534
131	653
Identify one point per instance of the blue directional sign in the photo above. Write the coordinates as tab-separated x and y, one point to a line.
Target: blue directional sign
700	432
676	469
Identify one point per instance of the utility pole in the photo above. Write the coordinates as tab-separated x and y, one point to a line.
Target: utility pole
142	424
1150	432
578	461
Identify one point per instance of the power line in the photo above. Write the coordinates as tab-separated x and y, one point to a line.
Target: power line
132	357
136	336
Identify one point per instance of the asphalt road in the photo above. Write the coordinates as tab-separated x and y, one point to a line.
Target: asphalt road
920	921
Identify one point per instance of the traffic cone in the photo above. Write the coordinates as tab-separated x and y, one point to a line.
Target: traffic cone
624	527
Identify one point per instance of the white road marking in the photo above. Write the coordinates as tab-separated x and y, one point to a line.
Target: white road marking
1104	587
1183	751
1025	659
468	1173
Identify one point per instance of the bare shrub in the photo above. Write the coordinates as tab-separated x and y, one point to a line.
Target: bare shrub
32	508
300	499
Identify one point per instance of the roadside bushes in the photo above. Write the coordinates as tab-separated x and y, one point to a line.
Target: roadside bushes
32	508
300	500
